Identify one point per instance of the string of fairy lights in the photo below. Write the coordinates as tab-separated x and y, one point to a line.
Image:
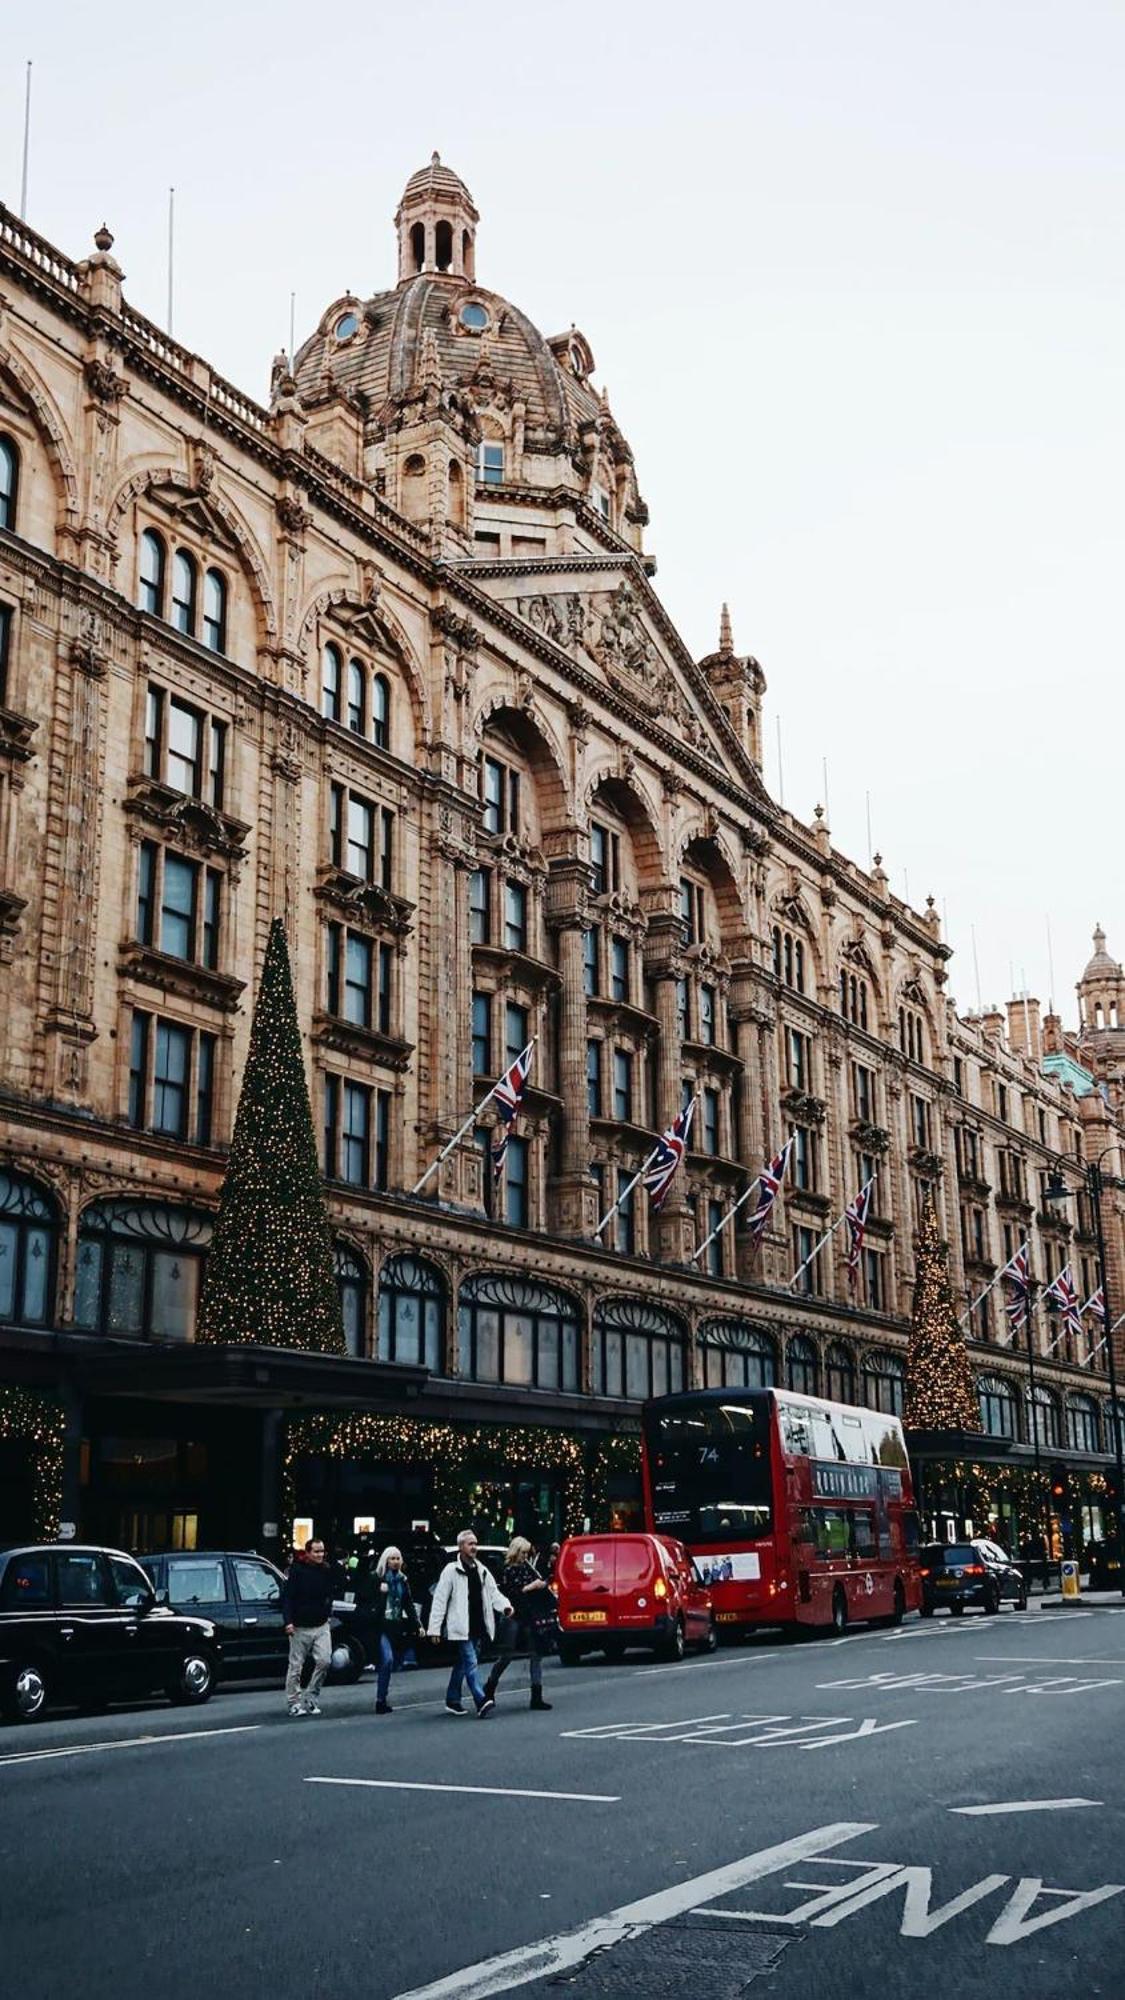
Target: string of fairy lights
940	1395
36	1420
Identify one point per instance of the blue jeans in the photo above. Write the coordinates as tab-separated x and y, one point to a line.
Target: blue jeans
465	1669
387	1663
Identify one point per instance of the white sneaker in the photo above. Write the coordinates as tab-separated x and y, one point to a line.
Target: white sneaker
297	1708
312	1708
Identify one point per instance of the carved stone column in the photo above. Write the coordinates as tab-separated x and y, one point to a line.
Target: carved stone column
73	851
575	1192
673	1228
445	1067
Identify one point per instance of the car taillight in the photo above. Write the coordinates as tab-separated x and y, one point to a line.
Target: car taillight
660	1588
973	1569
923	1572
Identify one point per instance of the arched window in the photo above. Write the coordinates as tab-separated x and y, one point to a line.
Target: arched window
997	1407
839	1368
638	1350
854	995
737	1355
183	591
28	1234
418	245
9	480
332	676
412	1307
443	245
788	959
1082	1423
353	1283
884	1383
456	495
802	1368
140	1269
414	502
381	712
357	697
215	611
1043	1417
1108	1426
152	573
513	1330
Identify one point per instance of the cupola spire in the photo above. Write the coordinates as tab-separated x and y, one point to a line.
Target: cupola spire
437	225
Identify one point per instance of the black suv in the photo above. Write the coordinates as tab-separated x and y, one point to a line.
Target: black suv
958	1573
240	1592
84	1625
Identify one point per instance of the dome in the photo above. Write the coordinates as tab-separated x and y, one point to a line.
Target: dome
1101	966
436	178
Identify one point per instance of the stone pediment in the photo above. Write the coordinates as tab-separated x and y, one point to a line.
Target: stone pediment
190	823
194	513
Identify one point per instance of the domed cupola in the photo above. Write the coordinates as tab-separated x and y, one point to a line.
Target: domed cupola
437	225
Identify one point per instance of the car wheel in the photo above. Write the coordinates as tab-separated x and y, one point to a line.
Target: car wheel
569	1653
194	1681
347	1662
710	1640
957	1611
926	1611
899	1612
839	1612
992	1601
673	1647
1021	1601
25	1698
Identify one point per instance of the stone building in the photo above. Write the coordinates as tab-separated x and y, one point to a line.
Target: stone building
385	658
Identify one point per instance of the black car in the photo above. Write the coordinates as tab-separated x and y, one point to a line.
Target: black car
958	1573
240	1593
84	1626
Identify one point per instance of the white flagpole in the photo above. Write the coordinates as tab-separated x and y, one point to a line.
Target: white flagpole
625	1193
462	1129
826	1238
26	144
728	1217
1103	1342
966	1316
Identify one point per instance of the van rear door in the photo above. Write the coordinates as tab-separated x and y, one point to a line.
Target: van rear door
586	1581
637	1568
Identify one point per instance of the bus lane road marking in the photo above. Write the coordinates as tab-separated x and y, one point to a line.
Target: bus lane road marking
127	1743
920	1683
743	1732
478	1791
1030	1906
1023	1806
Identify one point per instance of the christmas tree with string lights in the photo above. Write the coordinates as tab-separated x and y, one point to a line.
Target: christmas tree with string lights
939	1379
270	1275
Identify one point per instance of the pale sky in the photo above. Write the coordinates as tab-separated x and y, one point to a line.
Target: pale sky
853	276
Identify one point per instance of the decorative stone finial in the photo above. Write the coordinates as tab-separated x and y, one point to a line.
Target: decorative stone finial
435	159
726	636
103	239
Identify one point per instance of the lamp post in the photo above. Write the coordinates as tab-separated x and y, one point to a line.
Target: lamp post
1057	1190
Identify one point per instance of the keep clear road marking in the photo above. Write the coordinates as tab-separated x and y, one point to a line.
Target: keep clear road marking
128	1743
754	1732
478	1791
1023	1805
568	1949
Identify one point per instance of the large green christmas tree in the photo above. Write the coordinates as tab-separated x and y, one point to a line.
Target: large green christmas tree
939	1380
270	1274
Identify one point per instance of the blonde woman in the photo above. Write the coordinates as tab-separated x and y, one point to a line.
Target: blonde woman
532	1604
395	1619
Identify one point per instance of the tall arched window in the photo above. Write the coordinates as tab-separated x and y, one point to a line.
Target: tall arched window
638	1350
443	245
997	1406
215	611
737	1355
884	1383
29	1227
332	680
357	697
140	1269
412	1308
513	1330
1043	1417
418	245
183	591
1082	1423
353	1284
415	502
381	712
152	573
802	1367
9	480
839	1368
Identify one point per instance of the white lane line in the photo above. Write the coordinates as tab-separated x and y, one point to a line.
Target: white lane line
1046	1660
1023	1805
127	1743
570	1948
478	1791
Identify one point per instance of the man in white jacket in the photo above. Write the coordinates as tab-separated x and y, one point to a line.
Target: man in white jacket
466	1602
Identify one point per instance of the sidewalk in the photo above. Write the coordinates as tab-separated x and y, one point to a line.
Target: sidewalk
1054	1600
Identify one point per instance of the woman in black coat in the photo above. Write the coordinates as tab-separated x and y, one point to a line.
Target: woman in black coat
395	1620
533	1604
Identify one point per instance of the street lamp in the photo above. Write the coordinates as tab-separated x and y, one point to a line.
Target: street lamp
1057	1190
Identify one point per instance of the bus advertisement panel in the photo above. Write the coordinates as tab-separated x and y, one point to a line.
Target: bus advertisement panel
795	1510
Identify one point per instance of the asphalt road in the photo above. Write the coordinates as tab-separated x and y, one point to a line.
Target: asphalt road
782	1820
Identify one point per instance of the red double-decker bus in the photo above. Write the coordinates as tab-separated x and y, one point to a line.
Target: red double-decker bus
796	1510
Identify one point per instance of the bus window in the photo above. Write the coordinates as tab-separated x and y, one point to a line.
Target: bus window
710	1472
831	1531
863	1534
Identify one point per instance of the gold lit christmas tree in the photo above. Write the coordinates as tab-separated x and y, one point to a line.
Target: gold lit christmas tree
939	1380
270	1272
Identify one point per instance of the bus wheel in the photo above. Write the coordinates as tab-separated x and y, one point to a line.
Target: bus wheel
839	1611
899	1612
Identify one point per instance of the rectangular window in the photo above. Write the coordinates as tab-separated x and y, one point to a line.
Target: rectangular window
590	983
920	1122
517	1207
798	1060
605	860
212	904
355	1136
482	1034
707	1015
626	1215
331	1126
623	1086
333	936
516	1031
594	1079
692	910
490	463
330	688
873	1279
385	1016
501	795
204	1088
336	825
710	1110
177	907
480	906
217	767
382	1139
804	1242
358	957
360	856
959	1076
138	1070
386	848
1001	1100
619	968
683	1024
515	917
804	1158
170	1079
146	890
5	651
185	749
715	1247
154	733
863	1092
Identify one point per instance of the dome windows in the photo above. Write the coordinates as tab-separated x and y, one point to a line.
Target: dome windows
473	316
346	325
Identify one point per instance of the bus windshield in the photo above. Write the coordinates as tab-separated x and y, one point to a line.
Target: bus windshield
710	1471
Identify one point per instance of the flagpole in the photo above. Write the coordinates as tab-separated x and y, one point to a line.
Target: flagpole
966	1316
1103	1342
462	1129
815	1252
728	1217
626	1192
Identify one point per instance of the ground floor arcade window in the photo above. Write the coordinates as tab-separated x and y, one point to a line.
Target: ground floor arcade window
28	1230
638	1350
412	1306
884	1383
997	1407
513	1330
737	1355
140	1269
802	1367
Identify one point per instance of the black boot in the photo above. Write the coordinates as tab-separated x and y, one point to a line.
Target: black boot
537	1700
490	1687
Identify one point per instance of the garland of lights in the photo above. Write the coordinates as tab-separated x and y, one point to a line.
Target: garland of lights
987	1491
939	1377
620	1453
37	1421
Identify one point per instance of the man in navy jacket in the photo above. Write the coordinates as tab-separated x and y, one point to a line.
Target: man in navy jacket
306	1601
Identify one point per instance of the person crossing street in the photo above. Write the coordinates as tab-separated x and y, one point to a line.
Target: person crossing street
306	1602
465	1605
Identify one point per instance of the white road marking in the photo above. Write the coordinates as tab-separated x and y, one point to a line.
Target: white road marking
745	1732
1042	1660
568	1949
127	1743
1022	1806
478	1791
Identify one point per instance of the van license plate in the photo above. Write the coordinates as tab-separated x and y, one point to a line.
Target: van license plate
587	1617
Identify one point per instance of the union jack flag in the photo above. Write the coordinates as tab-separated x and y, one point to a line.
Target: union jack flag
1017	1271
670	1149
508	1097
1061	1293
769	1187
855	1215
1096	1304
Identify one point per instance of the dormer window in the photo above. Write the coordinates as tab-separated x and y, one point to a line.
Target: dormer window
346	326
490	463
473	316
601	502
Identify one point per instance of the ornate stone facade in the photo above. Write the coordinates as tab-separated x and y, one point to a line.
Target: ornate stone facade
385	658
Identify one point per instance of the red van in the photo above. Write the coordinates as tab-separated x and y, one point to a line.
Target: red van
630	1590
